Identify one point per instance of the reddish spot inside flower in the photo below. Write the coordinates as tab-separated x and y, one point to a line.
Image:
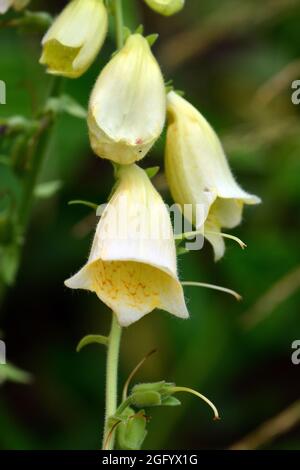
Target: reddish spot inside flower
139	141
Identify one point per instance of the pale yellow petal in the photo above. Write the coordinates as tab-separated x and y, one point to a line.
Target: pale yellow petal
132	268
198	172
75	38
128	104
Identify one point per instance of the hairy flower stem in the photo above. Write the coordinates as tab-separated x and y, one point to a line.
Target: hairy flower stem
114	339
111	377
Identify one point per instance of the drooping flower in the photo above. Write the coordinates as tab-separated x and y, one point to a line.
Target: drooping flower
166	7
128	104
132	264
73	41
17	5
198	172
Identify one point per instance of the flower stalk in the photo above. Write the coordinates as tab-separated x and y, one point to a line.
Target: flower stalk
119	23
114	339
111	379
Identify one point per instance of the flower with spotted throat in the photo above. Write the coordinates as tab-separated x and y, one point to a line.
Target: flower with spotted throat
198	172
73	41
132	264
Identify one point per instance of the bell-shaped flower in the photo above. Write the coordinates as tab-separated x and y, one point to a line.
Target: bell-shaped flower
17	5
73	41
132	264
198	173
128	104
166	7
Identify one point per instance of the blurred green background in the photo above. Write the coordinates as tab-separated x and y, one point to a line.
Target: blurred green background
236	61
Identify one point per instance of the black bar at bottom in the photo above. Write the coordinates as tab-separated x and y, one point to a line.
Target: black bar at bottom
135	459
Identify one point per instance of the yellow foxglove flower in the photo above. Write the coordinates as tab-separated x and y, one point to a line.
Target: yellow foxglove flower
132	264
5	5
198	172
128	104
73	41
165	7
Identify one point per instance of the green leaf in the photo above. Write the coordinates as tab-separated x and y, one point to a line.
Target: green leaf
9	372
169	86
152	38
47	189
83	203
180	92
139	29
181	250
170	401
152	171
126	33
9	255
92	339
35	21
65	104
18	124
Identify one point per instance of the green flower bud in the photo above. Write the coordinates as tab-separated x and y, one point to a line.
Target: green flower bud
145	399
132	431
151	391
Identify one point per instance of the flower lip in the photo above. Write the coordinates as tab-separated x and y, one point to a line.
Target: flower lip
75	37
132	288
133	276
198	172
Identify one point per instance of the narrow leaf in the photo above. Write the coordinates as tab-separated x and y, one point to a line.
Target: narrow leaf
83	203
9	372
92	339
65	104
152	171
152	38
139	29
171	401
47	189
